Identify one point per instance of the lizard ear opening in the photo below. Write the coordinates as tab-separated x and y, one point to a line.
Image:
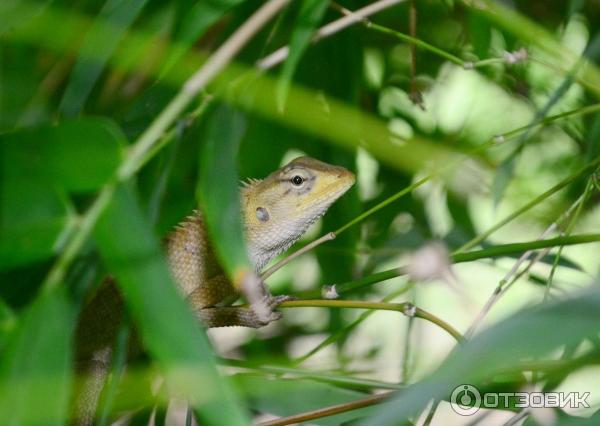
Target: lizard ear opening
262	214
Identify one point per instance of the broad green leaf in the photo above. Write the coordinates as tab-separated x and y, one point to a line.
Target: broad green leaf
77	156
310	15
34	218
179	346
219	188
197	20
522	337
98	46
35	365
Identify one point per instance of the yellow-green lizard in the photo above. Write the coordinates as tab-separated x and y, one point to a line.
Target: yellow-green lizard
276	212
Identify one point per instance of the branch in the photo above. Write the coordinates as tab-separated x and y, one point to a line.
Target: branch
328	411
407	309
328	30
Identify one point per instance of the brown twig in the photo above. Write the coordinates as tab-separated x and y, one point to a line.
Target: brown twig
329	411
328	30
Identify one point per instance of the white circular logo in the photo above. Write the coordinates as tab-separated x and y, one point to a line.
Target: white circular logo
465	400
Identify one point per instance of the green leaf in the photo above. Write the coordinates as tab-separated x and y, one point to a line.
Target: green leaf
35	365
481	35
310	15
34	217
195	23
77	155
98	46
133	255
14	13
218	169
522	337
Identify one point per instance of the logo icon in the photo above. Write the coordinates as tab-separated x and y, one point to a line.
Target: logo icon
465	400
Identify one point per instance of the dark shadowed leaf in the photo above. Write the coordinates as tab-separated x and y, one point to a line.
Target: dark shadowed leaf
481	35
76	156
97	48
179	346
194	24
35	365
33	218
311	14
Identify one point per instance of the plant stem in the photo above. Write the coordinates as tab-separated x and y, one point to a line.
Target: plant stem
407	309
327	237
496	251
280	55
332	338
329	411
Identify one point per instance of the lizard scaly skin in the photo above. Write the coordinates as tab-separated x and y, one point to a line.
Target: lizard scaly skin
276	212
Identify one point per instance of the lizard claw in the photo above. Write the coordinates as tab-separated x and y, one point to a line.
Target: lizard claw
275	301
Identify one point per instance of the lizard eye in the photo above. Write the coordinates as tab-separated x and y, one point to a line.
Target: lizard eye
297	180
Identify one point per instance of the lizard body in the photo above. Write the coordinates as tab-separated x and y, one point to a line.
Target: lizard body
276	212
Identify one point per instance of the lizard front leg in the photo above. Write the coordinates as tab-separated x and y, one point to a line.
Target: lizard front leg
219	291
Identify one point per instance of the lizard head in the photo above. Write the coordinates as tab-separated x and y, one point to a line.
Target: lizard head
281	207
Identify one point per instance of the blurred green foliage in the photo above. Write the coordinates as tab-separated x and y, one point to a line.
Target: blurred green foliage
510	111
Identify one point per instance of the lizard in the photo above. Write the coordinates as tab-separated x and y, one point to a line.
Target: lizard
276	212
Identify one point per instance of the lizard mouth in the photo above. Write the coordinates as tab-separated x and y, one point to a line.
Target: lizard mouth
336	186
